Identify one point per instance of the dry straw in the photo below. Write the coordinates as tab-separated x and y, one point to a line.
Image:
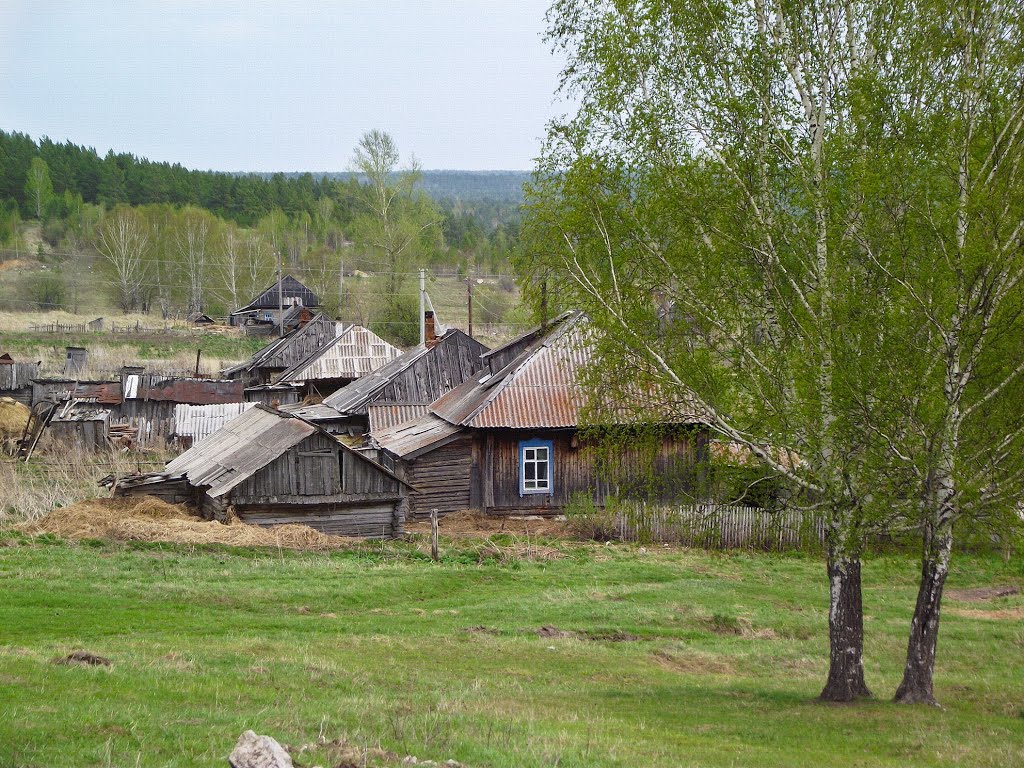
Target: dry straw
149	519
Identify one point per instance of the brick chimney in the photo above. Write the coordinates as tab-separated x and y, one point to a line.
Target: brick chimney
430	335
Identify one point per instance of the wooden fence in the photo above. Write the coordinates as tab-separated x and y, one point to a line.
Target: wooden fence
714	526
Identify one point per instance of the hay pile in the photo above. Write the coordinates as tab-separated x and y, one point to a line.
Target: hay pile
13	418
146	518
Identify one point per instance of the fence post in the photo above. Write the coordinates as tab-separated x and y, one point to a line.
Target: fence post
433	534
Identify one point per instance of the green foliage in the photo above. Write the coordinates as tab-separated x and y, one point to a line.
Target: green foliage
47	290
398	321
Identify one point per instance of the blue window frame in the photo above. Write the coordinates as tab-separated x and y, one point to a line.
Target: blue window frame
536	467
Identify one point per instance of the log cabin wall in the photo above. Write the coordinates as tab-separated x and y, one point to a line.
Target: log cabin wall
442	479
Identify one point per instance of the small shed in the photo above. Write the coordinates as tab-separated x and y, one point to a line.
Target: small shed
83	425
16	379
355	352
273	468
266	365
201	318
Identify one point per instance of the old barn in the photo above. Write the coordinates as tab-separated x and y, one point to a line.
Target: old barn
272	468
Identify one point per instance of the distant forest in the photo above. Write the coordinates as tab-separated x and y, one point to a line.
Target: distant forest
203	240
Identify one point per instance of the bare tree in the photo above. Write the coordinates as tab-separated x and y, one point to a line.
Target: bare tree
123	240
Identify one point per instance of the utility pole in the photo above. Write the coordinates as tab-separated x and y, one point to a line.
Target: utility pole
469	302
280	298
341	285
423	295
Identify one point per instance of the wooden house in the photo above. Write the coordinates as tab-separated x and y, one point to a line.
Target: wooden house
353	353
287	295
267	365
272	468
402	388
510	440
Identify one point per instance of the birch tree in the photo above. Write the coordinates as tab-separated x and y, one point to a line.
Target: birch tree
702	205
193	241
955	196
122	239
38	187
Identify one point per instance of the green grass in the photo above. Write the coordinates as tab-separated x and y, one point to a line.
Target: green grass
371	647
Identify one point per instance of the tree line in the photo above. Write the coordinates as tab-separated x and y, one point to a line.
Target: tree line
174	240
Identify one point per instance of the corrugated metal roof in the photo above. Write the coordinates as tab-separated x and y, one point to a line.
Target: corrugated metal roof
356	395
355	352
543	388
200	421
412	438
383	416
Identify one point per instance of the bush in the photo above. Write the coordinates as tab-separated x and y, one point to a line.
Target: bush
400	321
587	520
45	289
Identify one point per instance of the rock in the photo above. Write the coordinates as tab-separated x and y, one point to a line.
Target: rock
254	751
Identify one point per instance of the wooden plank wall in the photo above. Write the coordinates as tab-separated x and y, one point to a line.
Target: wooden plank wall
442	479
662	471
447	366
370	520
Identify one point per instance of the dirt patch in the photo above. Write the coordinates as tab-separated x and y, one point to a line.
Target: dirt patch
482	630
740	626
556	633
146	518
83	658
469	524
1004	614
613	637
692	663
978	594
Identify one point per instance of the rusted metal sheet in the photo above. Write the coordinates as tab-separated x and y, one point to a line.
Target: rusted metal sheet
183	390
386	415
413	438
196	422
355	352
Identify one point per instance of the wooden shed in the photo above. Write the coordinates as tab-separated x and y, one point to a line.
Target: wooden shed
272	468
16	379
266	366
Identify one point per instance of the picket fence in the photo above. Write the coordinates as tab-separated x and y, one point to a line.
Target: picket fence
715	526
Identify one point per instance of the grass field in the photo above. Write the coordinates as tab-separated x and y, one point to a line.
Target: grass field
675	658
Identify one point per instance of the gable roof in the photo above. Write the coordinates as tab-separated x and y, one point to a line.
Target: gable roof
354	352
243	446
450	361
544	388
291	348
292	291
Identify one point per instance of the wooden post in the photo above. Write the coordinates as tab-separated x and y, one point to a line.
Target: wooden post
469	302
433	534
199	352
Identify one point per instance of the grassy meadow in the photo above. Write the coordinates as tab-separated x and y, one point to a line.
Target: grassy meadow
588	656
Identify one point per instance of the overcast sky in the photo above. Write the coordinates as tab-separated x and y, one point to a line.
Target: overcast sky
282	86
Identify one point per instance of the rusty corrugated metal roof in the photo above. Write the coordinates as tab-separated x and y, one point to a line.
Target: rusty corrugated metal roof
412	438
543	388
355	352
386	415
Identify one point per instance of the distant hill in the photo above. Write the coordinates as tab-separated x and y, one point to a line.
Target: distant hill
471	186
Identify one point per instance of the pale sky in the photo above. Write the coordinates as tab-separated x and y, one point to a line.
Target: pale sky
282	86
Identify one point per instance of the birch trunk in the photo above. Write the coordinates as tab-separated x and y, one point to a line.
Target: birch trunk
916	687
845	629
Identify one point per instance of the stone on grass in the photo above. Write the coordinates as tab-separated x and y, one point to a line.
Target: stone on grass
254	751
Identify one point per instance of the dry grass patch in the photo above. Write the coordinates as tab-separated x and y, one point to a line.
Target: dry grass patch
149	519
693	663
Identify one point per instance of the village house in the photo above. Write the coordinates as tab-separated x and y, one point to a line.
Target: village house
266	366
403	388
264	313
272	468
353	353
511	441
